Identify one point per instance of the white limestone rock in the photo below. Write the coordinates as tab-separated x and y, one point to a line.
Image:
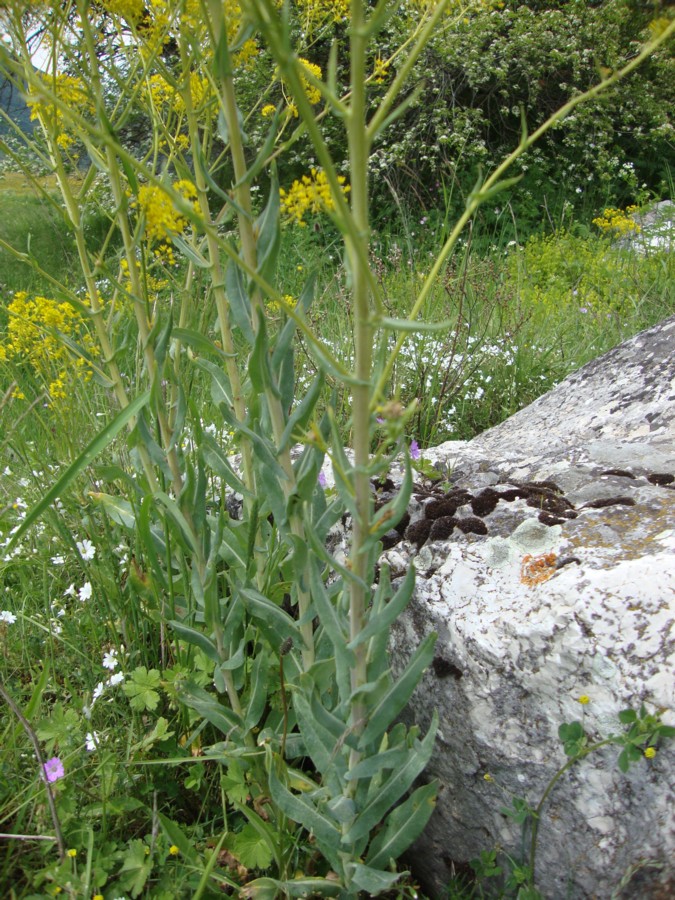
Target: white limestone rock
563	596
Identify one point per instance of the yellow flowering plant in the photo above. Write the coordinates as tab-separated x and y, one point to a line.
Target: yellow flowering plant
282	648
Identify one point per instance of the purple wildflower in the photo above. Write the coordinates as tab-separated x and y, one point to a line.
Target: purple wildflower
54	769
322	479
415	451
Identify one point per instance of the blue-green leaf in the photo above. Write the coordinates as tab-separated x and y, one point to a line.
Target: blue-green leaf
269	615
222	717
301	809
380	621
240	304
395	785
372	881
269	232
197	638
393	701
404	824
100	442
116	508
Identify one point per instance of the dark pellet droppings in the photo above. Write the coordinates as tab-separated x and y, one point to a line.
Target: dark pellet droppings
547	519
472	525
418	532
609	501
442	528
435	509
661	478
485	502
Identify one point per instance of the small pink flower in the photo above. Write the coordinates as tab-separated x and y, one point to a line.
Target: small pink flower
54	769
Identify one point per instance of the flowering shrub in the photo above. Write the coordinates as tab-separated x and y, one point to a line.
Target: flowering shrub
35	331
618	222
309	194
160	216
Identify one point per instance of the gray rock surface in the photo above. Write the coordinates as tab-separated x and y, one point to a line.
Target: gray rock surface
546	565
656	229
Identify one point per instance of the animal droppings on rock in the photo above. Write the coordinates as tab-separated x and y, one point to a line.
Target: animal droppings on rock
550	503
442	528
472	525
390	539
566	561
458	496
545	485
661	478
511	494
403	524
418	532
437	509
547	519
485	502
609	501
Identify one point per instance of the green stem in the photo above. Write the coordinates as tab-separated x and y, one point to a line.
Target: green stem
249	253
536	815
357	249
25	724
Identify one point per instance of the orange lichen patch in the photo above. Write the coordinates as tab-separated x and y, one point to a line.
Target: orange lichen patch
535	569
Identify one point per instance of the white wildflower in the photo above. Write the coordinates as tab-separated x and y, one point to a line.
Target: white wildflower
87	549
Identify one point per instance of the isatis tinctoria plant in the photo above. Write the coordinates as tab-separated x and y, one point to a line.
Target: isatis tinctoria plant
155	104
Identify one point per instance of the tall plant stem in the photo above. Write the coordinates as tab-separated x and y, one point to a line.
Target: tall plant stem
357	250
249	253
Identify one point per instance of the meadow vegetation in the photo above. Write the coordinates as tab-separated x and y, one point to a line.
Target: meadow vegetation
238	228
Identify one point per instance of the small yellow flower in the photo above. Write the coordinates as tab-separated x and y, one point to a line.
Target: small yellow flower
584	699
268	110
312	92
487	777
380	70
72	853
311	193
97	897
173	850
650	752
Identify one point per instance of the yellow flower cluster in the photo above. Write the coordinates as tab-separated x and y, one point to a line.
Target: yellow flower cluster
274	306
162	219
249	50
309	194
71	93
166	99
33	338
131	10
380	70
313	93
152	283
315	13
618	222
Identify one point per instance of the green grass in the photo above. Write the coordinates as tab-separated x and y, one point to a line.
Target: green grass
32	226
